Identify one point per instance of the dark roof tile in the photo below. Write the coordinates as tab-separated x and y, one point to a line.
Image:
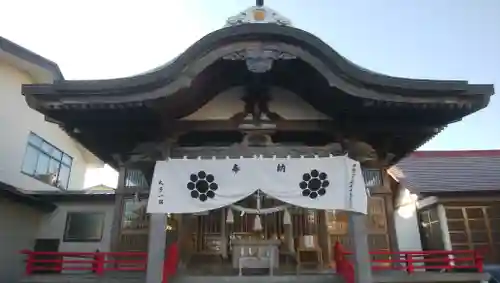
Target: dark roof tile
449	171
16	195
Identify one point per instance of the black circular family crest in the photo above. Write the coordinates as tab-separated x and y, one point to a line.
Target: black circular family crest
314	184
202	185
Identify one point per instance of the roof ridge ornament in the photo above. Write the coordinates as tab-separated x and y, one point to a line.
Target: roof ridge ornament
258	14
259	58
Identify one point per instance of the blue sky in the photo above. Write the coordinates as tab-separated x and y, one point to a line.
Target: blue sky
437	39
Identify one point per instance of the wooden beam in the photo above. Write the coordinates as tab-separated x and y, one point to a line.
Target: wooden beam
494	197
301	125
231	125
118	210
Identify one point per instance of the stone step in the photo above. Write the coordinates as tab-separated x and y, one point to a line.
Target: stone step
379	277
141	278
320	278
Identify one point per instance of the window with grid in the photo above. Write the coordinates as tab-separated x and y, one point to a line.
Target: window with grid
46	163
84	226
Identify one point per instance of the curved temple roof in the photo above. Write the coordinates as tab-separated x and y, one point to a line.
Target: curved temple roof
275	31
259	40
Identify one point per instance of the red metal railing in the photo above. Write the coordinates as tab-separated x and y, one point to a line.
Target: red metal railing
95	262
342	264
98	262
410	261
171	262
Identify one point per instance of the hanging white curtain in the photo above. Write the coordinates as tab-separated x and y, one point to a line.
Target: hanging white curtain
189	186
317	183
195	185
357	194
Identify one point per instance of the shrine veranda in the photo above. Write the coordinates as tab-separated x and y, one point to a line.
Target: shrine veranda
263	91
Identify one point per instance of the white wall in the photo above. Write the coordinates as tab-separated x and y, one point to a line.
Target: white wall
16	122
53	226
283	102
18	226
406	222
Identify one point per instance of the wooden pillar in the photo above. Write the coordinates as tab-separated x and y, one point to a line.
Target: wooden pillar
391	226
360	252
156	247
224	234
158	240
445	231
185	236
443	225
181	234
118	210
324	237
391	187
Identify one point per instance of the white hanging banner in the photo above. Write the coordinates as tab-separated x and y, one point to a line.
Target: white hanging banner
194	185
317	183
357	192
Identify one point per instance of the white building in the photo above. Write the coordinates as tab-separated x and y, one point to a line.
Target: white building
35	156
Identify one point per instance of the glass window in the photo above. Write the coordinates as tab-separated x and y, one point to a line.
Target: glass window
46	163
57	154
84	226
47	147
63	177
67	159
134	215
54	165
42	166
35	140
30	160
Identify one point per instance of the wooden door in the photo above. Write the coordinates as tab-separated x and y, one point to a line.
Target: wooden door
493	215
378	239
134	230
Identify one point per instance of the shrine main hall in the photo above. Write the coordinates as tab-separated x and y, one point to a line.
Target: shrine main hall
192	140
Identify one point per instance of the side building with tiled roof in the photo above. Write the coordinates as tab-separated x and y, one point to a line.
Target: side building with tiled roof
457	199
